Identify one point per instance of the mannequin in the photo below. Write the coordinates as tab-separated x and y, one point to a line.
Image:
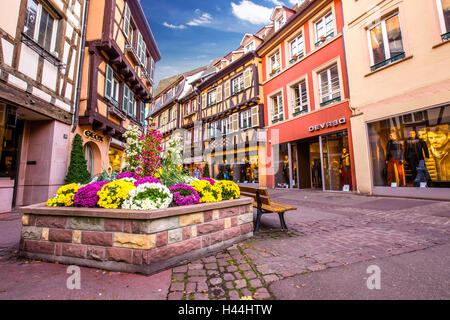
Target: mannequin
394	160
439	138
345	168
415	150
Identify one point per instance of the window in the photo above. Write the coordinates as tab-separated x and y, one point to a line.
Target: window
111	85
142	112
324	29
385	41
250	47
152	68
444	17
186	109
142	50
279	22
128	100
214	129
277	108
212	97
40	25
329	86
193	105
173	116
127	23
246	119
89	156
226	126
299	98
275	63
297	47
412	153
237	84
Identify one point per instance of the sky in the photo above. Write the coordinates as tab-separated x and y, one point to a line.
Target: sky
191	33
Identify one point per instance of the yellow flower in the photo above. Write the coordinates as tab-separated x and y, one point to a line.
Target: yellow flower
113	194
207	192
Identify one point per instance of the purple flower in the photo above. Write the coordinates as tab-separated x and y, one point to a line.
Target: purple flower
86	197
212	181
184	195
127	175
146	180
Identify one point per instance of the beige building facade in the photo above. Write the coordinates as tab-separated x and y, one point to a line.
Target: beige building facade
398	55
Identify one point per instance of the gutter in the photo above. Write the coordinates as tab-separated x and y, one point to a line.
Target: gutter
80	68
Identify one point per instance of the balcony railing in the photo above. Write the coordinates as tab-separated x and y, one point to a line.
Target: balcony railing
324	39
295	57
277	119
328	102
397	57
446	36
300	111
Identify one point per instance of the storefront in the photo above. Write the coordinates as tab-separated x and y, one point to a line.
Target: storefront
409	153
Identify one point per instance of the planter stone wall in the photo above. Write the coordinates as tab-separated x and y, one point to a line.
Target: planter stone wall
133	241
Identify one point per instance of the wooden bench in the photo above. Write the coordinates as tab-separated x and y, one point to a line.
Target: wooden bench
264	205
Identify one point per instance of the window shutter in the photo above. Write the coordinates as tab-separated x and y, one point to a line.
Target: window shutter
126	20
227	89
247	78
235	123
125	98
219	93
255	116
108	81
131	103
204	101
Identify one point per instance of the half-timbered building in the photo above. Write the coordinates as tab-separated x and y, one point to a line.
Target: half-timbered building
117	82
40	44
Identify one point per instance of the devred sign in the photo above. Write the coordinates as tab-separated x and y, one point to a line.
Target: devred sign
329	124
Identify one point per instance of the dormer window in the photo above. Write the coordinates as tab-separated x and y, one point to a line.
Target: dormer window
280	22
250	47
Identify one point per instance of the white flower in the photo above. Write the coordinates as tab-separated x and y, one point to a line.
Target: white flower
148	204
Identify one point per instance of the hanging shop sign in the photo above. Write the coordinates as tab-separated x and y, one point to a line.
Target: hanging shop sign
326	125
93	136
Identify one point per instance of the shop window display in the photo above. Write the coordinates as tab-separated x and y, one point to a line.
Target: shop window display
412	150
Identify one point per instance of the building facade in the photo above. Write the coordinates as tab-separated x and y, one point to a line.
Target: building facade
306	99
117	80
39	63
397	54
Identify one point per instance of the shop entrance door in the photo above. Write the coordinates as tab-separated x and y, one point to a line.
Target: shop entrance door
315	165
336	173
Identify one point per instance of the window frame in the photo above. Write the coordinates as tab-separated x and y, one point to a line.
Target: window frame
304	99
387	53
444	29
209	101
331	100
299	53
271	65
241	85
328	35
127	19
246	115
279	116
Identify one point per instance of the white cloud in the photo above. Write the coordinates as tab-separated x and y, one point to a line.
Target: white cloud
172	26
251	12
204	18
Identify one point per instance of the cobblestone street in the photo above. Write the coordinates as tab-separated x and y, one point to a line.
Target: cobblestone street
326	231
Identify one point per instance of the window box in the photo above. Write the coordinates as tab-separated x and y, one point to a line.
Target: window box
274	72
324	39
277	119
328	102
388	61
299	112
446	36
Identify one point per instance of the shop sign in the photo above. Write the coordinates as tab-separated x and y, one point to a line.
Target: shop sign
91	135
326	125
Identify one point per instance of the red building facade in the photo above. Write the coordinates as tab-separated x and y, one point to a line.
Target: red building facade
306	100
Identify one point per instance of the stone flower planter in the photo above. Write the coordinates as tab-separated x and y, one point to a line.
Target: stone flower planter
133	241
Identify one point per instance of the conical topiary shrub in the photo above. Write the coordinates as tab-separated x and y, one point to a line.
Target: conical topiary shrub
206	173
78	172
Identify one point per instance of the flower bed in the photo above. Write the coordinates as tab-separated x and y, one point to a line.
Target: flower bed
133	241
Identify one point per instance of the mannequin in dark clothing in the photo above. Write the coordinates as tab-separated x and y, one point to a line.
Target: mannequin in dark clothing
394	159
415	150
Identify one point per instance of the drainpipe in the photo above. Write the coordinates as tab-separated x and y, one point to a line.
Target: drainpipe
80	68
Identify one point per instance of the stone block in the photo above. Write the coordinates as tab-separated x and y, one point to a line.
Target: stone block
161	239
91	224
134	241
216	214
187	233
31	233
207	216
114	225
45	232
97	238
191	219
245	218
96	253
227	223
39	246
137	257
74	250
174	236
119	255
229	212
231	233
173	250
210	227
51	222
25	219
159	225
193	231
76	238
59	235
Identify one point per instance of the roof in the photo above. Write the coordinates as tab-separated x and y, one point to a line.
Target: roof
165	84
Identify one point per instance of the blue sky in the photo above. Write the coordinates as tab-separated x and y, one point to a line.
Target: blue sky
191	33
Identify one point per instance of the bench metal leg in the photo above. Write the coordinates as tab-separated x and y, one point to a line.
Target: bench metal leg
258	221
282	222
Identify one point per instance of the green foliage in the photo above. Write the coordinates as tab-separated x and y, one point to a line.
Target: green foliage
106	176
77	172
206	173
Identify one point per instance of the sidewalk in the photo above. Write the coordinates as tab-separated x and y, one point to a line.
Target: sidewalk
333	236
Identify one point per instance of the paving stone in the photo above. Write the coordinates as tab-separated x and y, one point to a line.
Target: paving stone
232	268
234	295
197	273
191	286
213	273
255	283
217	292
211	266
196	266
229	285
228	276
210	259
262	293
270	278
178	276
198	279
245	267
202	286
175	296
238	275
246	293
249	275
215	281
177	286
201	296
317	267
240	283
